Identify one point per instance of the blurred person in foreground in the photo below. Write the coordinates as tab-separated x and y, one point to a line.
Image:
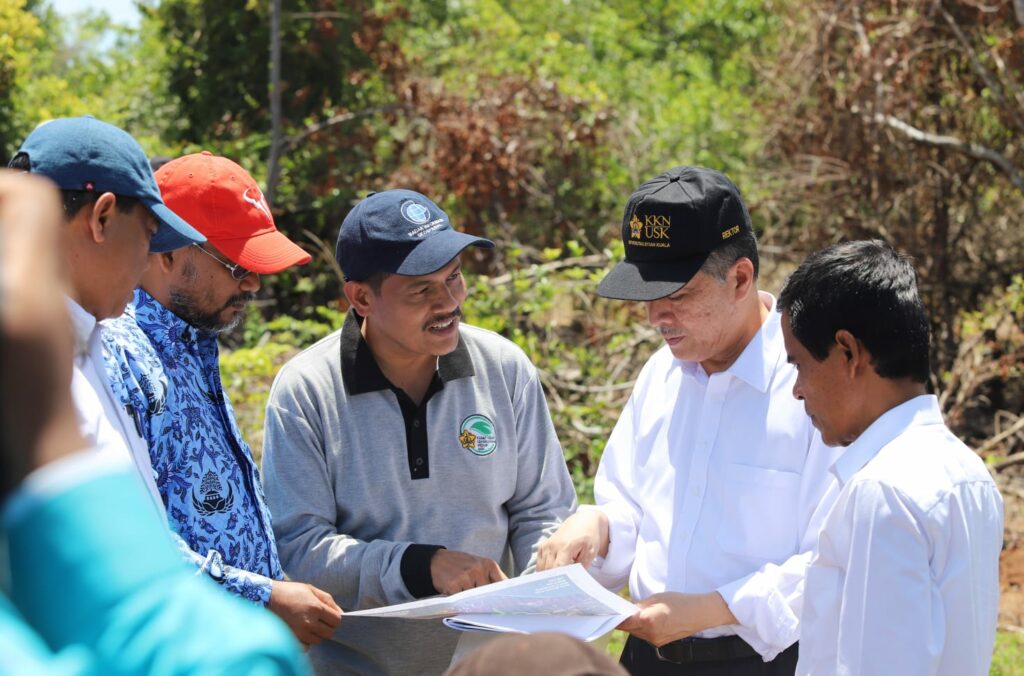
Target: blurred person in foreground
114	218
408	454
546	654
89	584
163	361
905	579
713	483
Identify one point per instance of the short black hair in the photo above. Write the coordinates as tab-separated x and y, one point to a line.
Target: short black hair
743	245
73	200
376	281
869	289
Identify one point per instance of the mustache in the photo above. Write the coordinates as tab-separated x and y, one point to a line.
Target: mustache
244	297
442	318
669	333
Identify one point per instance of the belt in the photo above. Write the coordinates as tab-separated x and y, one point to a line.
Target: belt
716	649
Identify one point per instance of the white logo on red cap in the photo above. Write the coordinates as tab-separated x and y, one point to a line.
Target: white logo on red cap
260	203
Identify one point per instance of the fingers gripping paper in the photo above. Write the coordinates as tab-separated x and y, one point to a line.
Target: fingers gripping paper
565	600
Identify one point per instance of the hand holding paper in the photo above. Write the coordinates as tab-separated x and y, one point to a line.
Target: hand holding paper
565	600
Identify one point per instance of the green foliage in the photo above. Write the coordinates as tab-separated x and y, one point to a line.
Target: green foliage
19	31
291	331
247	374
217	65
676	76
1008	658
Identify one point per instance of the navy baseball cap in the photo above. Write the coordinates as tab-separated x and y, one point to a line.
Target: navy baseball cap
83	153
671	225
401	232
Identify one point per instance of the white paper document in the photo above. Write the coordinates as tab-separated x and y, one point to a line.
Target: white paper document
566	600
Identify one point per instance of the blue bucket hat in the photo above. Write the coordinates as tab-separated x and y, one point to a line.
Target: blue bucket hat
83	153
401	232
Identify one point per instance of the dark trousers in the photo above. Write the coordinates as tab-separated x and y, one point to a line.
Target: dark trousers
639	659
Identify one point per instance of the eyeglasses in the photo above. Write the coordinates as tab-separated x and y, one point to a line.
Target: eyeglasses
238	273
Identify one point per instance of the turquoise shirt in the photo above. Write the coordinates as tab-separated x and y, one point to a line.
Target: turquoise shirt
97	587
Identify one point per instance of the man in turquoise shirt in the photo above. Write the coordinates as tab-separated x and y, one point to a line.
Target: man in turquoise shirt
90	583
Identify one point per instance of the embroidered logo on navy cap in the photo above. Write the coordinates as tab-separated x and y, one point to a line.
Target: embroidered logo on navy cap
477	435
415	213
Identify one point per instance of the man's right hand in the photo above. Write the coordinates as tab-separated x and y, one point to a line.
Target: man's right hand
310	613
582	538
453	572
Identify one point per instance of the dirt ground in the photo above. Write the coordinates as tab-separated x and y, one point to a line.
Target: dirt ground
1011	565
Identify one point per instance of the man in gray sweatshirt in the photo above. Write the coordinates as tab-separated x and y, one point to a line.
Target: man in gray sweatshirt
407	455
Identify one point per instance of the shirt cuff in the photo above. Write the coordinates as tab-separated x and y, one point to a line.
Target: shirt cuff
612	570
766	621
57	477
415	569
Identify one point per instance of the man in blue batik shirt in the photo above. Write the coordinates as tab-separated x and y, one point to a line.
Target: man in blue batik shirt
162	359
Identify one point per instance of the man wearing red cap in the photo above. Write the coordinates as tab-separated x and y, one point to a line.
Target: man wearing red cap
162	358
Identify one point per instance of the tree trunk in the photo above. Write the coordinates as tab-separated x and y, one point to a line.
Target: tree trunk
276	140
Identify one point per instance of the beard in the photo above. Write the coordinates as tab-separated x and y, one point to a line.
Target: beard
185	306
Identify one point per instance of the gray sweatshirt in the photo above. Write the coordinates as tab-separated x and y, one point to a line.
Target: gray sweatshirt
348	497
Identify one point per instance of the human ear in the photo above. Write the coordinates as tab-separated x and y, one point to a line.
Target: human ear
852	349
101	211
743	273
163	261
359	297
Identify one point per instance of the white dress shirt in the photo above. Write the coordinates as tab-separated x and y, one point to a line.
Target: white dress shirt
906	577
103	422
720	483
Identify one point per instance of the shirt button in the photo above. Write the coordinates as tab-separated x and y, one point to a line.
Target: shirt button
419	461
416	423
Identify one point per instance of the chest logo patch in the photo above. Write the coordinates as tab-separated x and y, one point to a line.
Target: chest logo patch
477	435
213	500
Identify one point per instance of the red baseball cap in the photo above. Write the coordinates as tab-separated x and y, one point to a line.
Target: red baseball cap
224	203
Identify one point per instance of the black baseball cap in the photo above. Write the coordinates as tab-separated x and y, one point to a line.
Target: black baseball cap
672	224
401	232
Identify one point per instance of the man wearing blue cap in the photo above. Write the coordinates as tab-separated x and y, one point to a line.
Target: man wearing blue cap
114	218
407	455
89	581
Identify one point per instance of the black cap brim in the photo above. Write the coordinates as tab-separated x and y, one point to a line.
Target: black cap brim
649	281
437	250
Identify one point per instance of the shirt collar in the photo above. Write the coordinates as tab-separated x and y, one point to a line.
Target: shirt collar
916	412
83	324
757	363
361	374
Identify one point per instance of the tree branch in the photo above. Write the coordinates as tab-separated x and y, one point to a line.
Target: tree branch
974	150
296	139
316	15
984	73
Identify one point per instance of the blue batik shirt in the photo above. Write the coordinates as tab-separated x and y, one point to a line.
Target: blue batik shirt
167	376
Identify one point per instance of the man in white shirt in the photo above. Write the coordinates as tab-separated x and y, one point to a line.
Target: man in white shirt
713	484
905	579
114	218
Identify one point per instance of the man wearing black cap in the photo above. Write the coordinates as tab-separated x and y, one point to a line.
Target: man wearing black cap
114	218
407	454
713	483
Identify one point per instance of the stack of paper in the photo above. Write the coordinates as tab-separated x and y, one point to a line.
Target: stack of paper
565	600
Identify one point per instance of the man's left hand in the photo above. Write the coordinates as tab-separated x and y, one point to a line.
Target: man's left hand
670	616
